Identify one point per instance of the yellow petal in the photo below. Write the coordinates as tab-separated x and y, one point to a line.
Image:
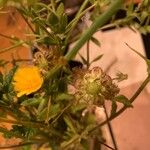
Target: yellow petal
27	80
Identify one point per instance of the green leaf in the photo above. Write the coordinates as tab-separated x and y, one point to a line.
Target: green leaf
63	23
64	96
27	147
53	19
8	79
124	100
47	40
1	77
85	144
31	102
32	2
90	119
78	107
64	144
113	108
20	131
97	58
42	105
60	10
83	59
4	130
3	63
143	57
95	41
54	110
69	123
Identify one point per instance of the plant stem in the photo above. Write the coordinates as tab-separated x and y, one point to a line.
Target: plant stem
11	47
21	122
8	37
15	146
111	129
106	145
88	54
27	22
76	19
99	22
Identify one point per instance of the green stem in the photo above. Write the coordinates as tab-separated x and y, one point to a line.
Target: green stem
88	54
11	47
16	146
76	19
26	20
99	22
21	122
7	37
111	130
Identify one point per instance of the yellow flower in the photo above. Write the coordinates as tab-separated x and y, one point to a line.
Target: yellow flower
27	80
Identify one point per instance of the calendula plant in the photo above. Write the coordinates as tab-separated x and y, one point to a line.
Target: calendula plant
51	103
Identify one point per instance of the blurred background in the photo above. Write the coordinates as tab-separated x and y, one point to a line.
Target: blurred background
132	128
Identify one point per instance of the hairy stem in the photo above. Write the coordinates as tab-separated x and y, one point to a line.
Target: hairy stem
99	22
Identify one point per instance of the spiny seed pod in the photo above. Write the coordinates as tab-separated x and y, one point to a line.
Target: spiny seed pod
94	84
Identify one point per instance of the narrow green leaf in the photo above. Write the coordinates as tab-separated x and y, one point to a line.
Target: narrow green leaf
124	100
143	57
54	110
53	19
83	59
67	143
27	147
8	79
3	63
113	108
95	41
1	77
78	107
69	123
85	144
31	102
64	96
60	10
42	105
63	23
97	58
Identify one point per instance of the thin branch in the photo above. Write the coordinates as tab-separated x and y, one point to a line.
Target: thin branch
61	114
21	122
16	146
27	22
11	47
106	145
76	19
136	52
88	54
8	37
110	65
110	129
